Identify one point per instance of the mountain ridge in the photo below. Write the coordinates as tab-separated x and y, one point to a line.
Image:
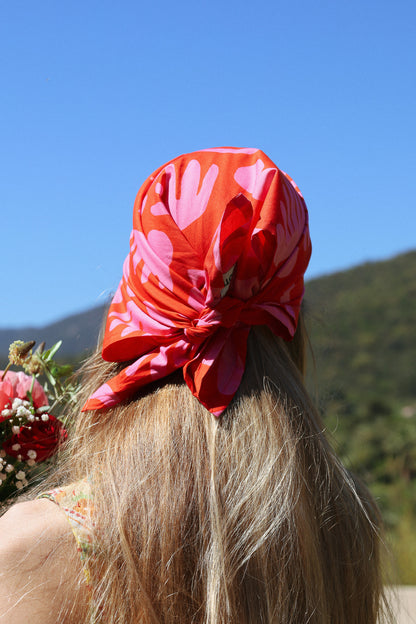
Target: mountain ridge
78	332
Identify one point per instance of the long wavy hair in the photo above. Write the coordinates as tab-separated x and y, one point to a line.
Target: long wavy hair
246	519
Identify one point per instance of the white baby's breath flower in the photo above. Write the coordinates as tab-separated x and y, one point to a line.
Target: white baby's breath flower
42	409
17	403
23	412
25	482
31	417
3	476
32	454
15	429
45	417
20	475
6	413
19	457
19	485
30	462
9	468
16	447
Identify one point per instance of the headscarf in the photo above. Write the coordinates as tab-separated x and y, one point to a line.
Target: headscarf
220	242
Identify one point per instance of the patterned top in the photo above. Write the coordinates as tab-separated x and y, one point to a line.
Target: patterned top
76	502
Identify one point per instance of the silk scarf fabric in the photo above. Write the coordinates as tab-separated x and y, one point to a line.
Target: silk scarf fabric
220	242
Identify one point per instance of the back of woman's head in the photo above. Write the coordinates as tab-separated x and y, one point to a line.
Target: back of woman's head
245	519
216	495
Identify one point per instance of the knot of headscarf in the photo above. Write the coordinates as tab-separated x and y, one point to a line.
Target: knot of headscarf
220	242
226	314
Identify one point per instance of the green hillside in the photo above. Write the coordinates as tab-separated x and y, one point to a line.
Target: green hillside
362	324
362	328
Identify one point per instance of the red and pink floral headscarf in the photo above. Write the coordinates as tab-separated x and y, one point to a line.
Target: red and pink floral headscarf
220	243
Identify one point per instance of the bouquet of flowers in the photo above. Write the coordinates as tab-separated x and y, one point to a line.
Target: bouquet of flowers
30	434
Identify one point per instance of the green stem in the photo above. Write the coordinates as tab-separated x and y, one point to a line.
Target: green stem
32	385
5	370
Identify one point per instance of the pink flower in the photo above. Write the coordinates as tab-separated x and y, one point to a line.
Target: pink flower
17	385
4	401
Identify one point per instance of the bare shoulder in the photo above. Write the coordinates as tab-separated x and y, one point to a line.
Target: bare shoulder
32	525
40	572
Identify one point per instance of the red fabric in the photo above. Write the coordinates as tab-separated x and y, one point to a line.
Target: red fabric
220	242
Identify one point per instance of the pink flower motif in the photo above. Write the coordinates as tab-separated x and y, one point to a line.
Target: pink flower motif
191	203
17	385
255	179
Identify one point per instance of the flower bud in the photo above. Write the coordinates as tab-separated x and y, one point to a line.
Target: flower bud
19	350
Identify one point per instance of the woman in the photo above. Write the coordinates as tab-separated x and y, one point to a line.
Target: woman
201	486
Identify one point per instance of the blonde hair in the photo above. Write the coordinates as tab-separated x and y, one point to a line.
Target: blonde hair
247	519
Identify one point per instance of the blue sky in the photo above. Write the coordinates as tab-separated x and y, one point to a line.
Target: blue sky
96	94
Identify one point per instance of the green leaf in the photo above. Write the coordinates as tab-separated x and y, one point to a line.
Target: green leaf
48	355
50	377
64	370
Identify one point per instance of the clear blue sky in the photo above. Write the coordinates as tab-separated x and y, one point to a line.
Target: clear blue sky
96	94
